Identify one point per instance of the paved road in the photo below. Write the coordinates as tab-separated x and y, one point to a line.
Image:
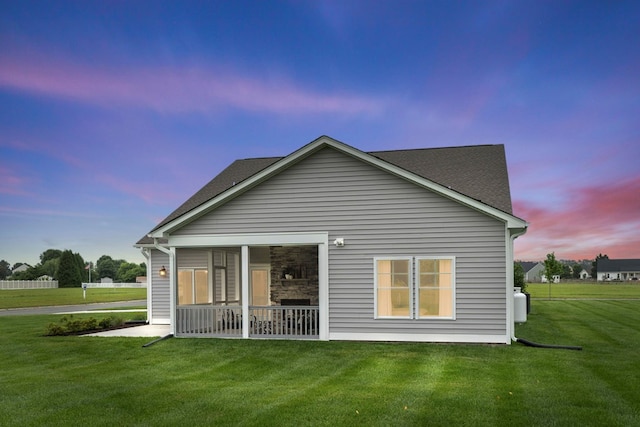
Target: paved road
70	308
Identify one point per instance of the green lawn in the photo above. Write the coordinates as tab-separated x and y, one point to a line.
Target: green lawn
17	298
114	381
585	290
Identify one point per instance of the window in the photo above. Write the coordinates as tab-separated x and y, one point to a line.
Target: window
393	290
414	288
193	287
434	281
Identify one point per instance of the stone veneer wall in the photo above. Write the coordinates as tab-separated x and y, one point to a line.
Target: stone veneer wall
301	262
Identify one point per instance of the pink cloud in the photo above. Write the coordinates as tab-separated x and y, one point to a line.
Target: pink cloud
166	89
11	183
603	218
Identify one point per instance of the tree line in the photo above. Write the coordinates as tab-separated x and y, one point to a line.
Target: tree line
71	270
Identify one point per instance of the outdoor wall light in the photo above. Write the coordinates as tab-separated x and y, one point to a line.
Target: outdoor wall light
339	241
163	271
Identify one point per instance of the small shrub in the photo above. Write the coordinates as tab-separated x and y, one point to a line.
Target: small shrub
110	322
69	325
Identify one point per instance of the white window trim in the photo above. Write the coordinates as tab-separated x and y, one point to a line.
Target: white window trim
413	287
375	287
416	266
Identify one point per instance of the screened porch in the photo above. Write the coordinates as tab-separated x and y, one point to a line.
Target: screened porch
282	301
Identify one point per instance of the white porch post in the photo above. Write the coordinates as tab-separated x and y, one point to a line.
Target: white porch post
244	260
173	278
323	289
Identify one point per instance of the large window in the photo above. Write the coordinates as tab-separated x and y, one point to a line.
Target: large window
193	287
415	288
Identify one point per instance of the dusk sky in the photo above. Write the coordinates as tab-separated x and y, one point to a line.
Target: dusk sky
112	113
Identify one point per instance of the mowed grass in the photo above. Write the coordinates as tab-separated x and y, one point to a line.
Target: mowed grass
20	298
114	381
585	290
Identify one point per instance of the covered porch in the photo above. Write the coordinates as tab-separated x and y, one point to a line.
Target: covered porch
255	291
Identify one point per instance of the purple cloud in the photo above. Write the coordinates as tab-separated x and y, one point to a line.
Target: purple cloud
195	88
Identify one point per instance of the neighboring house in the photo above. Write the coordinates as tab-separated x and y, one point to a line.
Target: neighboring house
20	268
584	274
618	269
532	271
333	243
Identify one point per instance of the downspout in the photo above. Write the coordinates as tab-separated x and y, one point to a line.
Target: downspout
172	291
513	234
147	255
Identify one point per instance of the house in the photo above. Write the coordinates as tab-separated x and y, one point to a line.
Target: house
333	243
533	271
20	268
617	269
584	274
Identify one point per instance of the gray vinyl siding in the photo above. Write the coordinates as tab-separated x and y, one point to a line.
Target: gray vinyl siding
378	215
192	258
160	293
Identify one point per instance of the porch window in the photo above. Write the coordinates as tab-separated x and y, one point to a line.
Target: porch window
415	287
193	287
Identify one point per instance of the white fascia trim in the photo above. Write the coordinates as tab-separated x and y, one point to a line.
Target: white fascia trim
418	337
260	239
325	141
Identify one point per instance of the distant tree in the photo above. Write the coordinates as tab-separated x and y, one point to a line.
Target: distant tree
552	267
127	272
5	270
566	271
518	277
69	275
594	265
50	254
50	268
577	269
106	267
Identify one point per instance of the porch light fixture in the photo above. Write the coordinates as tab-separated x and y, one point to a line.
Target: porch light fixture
339	241
163	272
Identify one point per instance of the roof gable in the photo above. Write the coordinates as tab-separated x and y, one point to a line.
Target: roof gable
475	175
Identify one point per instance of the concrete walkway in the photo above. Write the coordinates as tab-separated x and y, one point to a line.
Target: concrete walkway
135	331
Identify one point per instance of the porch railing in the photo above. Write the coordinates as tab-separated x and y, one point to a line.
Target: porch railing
284	322
208	321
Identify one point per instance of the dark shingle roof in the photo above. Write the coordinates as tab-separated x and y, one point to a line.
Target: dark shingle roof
479	172
527	265
618	265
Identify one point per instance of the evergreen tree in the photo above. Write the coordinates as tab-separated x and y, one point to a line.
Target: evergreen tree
69	275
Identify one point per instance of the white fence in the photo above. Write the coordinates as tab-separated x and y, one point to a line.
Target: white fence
115	285
28	284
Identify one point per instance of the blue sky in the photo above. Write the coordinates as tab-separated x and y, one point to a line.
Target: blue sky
112	113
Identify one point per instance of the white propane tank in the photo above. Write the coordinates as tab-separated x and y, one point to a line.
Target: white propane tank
519	306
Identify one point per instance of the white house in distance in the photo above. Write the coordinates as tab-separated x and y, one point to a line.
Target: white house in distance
618	269
533	271
334	243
